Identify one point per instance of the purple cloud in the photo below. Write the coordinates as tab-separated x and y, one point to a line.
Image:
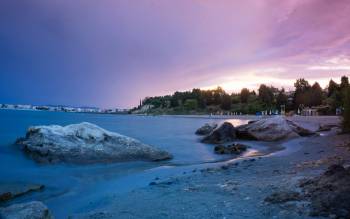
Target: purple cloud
112	53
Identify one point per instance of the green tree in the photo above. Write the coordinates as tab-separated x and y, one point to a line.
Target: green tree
302	93
301	85
191	104
218	93
266	95
245	95
344	84
332	88
315	98
226	102
281	98
346	113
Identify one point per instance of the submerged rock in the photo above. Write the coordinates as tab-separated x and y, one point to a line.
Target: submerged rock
85	143
282	197
225	133
206	129
327	127
230	149
9	191
29	210
271	129
329	193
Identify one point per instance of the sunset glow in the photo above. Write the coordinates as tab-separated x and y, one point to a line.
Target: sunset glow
113	53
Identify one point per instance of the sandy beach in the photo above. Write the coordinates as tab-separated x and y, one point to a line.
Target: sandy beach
237	189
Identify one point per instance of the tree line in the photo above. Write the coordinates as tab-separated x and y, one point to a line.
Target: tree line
251	101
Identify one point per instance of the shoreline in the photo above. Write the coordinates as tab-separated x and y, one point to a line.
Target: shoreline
243	117
200	116
234	189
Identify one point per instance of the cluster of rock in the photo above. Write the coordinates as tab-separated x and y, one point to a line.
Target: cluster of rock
230	149
327	127
225	133
10	191
272	129
29	210
328	194
206	129
268	129
85	143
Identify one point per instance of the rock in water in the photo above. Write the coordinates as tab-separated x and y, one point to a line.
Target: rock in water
206	129
30	210
327	127
300	130
271	129
282	197
230	149
85	143
9	191
225	133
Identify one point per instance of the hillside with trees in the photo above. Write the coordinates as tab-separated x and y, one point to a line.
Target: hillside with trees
266	98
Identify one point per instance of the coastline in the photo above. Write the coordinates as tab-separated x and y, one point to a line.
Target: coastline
217	189
235	189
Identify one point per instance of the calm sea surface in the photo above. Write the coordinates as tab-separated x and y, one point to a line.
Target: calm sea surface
78	188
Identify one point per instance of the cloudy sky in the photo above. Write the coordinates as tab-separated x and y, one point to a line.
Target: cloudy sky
111	53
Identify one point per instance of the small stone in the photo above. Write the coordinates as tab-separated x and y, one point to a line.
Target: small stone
206	129
282	197
29	210
224	167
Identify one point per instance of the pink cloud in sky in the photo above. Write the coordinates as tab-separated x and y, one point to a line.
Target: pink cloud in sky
118	51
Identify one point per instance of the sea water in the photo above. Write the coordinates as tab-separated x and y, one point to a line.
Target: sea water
78	188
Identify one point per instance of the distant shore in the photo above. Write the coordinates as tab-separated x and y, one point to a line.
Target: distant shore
296	118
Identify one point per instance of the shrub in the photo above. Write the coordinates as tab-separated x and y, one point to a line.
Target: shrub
346	113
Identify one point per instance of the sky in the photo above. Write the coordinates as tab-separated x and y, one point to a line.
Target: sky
112	53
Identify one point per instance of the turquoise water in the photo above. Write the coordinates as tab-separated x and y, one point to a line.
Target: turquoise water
79	188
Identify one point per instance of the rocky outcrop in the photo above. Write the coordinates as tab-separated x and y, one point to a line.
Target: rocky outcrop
206	129
271	129
225	133
283	196
9	191
29	210
85	143
299	129
327	127
230	149
329	193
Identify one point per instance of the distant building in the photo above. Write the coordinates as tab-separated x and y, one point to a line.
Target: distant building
309	112
316	110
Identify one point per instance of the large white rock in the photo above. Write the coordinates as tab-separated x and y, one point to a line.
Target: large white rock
85	143
272	129
29	210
